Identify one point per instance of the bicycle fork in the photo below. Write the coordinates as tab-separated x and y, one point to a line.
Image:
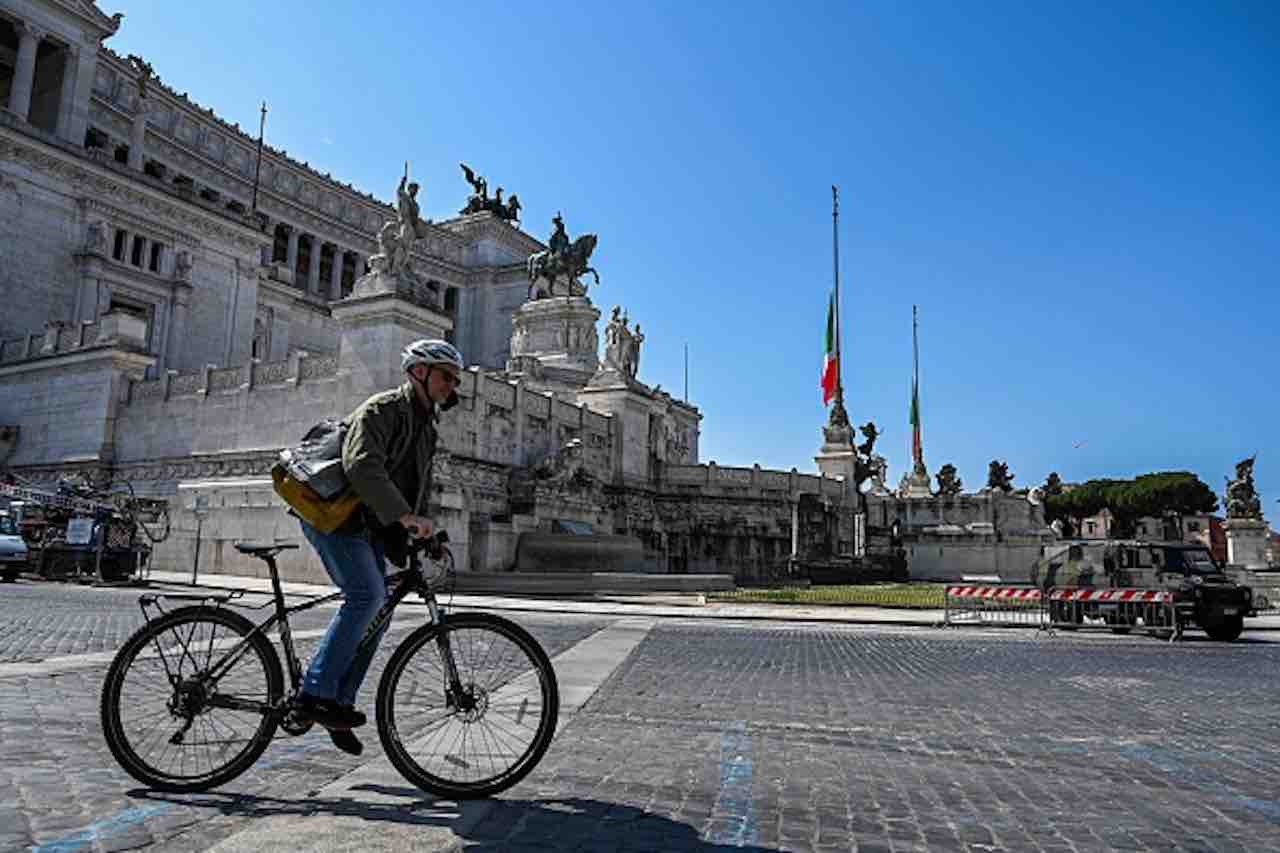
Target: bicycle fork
455	694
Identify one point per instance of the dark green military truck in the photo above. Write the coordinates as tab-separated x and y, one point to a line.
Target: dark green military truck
1201	593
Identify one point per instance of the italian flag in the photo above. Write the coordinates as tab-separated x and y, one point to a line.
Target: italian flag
916	450
830	364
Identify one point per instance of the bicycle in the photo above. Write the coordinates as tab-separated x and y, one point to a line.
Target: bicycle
466	706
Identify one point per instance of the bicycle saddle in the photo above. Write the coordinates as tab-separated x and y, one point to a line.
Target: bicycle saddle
257	549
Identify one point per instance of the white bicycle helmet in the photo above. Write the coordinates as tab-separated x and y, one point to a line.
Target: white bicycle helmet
431	353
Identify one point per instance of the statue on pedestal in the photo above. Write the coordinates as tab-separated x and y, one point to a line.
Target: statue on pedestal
998	476
1242	498
621	345
949	483
479	201
563	259
396	239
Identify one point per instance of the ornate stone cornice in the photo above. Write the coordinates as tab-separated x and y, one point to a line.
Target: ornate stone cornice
477	226
275	158
89	14
89	179
120	216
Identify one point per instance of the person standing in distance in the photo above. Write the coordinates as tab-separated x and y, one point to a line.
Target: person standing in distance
386	455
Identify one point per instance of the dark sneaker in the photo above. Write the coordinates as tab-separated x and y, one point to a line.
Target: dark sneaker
328	713
344	740
358	716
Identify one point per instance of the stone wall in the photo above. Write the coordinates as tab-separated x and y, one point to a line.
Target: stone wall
39	225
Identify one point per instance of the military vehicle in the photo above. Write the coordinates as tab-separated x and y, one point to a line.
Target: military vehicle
1202	593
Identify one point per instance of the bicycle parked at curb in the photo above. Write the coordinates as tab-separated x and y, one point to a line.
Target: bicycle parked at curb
466	706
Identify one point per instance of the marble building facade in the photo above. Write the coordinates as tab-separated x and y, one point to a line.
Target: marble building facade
166	326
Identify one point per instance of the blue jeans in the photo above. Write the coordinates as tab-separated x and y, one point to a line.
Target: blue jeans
356	565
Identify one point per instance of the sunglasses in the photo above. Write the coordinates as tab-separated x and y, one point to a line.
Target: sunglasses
455	378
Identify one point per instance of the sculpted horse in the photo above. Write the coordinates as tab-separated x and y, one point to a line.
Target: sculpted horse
569	265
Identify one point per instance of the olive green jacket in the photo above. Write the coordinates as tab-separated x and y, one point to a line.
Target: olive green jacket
378	433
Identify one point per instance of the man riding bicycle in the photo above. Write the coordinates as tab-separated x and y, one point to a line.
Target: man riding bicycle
386	455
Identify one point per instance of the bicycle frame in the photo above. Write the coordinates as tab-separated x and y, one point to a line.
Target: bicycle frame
399	585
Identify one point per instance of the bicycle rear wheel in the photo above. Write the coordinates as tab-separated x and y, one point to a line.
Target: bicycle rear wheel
484	737
168	724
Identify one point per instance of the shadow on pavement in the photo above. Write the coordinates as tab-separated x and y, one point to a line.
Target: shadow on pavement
496	824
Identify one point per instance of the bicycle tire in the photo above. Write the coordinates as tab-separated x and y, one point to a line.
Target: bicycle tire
128	751
536	666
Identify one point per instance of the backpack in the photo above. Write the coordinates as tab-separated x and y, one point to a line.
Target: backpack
310	478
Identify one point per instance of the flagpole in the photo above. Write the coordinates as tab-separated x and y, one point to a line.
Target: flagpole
917	441
257	172
835	274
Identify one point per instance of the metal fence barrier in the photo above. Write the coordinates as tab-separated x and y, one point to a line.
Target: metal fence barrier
1116	610
997	606
1265	587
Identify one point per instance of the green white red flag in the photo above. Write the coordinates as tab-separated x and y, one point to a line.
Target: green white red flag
830	364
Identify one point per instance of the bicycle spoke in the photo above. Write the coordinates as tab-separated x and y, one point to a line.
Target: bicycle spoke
482	732
166	730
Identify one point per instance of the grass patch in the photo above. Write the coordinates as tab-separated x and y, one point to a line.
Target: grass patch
926	596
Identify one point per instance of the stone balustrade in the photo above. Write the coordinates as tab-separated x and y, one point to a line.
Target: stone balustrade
57	339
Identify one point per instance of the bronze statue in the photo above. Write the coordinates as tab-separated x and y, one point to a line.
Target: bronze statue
948	483
1242	498
998	476
559	241
479	201
870	432
562	259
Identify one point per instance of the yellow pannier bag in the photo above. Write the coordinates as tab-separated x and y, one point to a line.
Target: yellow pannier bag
324	515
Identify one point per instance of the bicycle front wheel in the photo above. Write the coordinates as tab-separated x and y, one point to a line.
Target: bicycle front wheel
484	732
172	724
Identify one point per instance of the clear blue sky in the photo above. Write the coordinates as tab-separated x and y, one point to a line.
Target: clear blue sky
1084	200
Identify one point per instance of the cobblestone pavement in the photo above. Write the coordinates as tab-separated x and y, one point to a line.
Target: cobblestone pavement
45	620
762	736
811	738
60	788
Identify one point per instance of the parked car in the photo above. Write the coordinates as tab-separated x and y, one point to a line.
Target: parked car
13	551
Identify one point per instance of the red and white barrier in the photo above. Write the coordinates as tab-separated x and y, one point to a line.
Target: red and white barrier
999	593
1091	594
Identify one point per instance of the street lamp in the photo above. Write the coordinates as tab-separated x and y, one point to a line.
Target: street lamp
200	508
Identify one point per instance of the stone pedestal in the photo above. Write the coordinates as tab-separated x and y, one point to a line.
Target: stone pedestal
555	338
630	405
1246	542
376	321
915	484
837	457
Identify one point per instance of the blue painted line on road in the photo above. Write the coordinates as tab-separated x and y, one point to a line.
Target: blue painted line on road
118	822
734	796
122	820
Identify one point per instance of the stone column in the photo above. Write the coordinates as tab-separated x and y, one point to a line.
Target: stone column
291	258
313	272
77	106
24	72
137	140
179	308
335	273
66	99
